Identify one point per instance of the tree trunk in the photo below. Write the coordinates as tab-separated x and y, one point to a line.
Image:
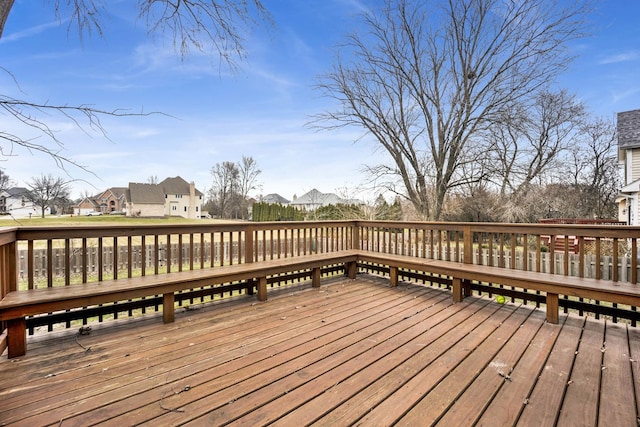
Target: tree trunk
5	8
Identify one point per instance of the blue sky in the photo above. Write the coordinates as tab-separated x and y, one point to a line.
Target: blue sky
259	111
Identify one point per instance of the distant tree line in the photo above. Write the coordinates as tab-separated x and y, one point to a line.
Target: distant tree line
262	211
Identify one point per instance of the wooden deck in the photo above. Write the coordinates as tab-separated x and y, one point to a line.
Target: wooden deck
352	352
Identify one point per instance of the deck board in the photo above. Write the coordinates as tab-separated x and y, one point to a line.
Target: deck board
543	404
351	352
583	389
617	406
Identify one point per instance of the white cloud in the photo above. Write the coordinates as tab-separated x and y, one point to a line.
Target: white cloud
29	32
632	55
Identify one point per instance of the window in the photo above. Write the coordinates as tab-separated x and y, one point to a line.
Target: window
185	208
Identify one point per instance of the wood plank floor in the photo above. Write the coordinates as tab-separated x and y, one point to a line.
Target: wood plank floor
354	352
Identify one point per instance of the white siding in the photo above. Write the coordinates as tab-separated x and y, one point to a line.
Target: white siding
634	161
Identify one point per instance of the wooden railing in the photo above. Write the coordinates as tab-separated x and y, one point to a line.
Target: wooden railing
33	257
608	252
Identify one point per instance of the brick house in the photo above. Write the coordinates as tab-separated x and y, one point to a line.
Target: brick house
109	201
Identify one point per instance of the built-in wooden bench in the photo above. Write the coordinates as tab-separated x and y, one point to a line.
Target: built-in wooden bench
17	305
552	285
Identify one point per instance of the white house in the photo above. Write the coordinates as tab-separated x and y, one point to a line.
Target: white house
628	127
13	202
171	197
314	199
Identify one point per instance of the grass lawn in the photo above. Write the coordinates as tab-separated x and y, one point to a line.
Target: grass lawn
8	221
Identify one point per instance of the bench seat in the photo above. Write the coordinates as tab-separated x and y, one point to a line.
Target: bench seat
552	285
17	305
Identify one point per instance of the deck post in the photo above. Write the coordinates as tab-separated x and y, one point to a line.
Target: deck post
262	288
393	275
17	337
458	294
350	269
552	308
248	245
466	288
467	245
168	310
315	277
355	235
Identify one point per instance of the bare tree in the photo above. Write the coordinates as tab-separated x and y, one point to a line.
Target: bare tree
595	168
5	181
529	139
216	27
248	175
46	191
5	8
232	183
224	187
425	78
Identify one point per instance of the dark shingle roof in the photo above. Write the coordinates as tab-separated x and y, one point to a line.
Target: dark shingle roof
145	193
629	129
275	198
176	185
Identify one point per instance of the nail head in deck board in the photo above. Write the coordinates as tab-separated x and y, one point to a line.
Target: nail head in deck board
580	404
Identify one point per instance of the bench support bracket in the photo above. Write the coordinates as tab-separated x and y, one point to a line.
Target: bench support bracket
552	308
351	268
315	277
168	311
458	291
262	289
17	337
393	275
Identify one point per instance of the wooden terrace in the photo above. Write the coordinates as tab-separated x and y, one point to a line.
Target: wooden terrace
320	323
351	352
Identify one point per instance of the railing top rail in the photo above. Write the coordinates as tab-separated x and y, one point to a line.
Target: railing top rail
587	230
9	234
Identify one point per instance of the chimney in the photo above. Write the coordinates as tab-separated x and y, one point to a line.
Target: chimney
192	200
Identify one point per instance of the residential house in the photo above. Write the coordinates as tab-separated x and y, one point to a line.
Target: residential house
145	200
171	197
314	199
628	128
109	201
13	202
181	198
275	198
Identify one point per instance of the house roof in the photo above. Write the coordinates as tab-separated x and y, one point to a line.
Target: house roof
317	198
275	198
145	193
631	188
15	191
629	129
176	185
